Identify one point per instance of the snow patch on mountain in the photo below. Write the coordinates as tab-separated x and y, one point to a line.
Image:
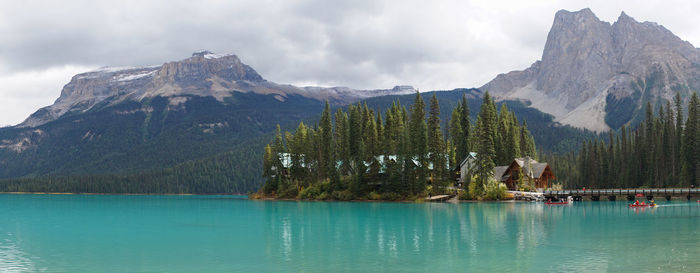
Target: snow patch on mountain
131	77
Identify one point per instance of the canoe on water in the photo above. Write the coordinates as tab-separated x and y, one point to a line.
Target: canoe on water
641	206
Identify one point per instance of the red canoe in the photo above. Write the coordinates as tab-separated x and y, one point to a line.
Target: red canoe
641	206
556	203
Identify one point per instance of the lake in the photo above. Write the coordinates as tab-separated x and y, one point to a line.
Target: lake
120	233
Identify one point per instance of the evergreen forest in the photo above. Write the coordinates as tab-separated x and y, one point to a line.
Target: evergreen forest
663	151
400	154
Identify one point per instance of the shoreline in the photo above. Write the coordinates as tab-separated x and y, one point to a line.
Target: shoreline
90	193
417	201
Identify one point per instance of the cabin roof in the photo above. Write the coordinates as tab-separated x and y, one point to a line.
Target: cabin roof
470	158
529	166
499	171
538	169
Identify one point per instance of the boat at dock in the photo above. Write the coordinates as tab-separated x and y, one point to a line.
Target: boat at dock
568	200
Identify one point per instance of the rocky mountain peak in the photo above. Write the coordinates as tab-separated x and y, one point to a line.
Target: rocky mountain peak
580	42
590	68
568	17
203	74
625	18
204	65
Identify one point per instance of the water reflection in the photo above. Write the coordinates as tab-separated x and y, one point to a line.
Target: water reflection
286	238
196	234
12	258
488	236
387	234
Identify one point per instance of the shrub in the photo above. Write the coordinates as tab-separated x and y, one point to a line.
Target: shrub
471	191
557	186
374	196
310	193
494	190
270	186
391	196
322	196
289	191
341	195
464	195
525	187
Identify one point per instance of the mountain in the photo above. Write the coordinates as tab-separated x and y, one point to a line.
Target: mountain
197	125
598	75
204	74
209	149
125	120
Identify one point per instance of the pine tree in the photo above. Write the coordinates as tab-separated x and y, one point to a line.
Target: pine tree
436	146
451	158
648	167
269	172
669	149
513	138
583	165
527	142
279	149
501	136
464	145
456	132
327	160
679	140
356	141
691	141
369	135
390	139
342	141
418	142
380	145
486	123
268	162
624	158
297	143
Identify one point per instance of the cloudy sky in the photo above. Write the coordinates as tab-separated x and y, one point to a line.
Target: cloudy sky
361	44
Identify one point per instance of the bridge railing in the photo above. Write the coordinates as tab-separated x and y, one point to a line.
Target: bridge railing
610	192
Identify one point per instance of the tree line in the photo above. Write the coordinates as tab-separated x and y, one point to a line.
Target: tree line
663	151
402	153
226	173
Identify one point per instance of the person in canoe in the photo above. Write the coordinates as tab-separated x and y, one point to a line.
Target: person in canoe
636	202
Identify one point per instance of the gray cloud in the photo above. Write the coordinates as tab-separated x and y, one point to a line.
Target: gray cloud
361	44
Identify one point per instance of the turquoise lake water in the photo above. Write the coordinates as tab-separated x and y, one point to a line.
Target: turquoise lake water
87	233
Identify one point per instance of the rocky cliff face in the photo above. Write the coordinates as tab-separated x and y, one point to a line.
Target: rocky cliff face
203	74
599	76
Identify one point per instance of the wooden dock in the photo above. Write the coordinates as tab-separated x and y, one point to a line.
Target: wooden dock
439	198
527	196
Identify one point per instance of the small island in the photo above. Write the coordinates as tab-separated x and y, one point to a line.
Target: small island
402	156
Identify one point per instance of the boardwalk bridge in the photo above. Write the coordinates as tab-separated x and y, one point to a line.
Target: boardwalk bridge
630	194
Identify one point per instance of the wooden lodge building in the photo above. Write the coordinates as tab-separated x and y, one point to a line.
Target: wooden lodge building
540	175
